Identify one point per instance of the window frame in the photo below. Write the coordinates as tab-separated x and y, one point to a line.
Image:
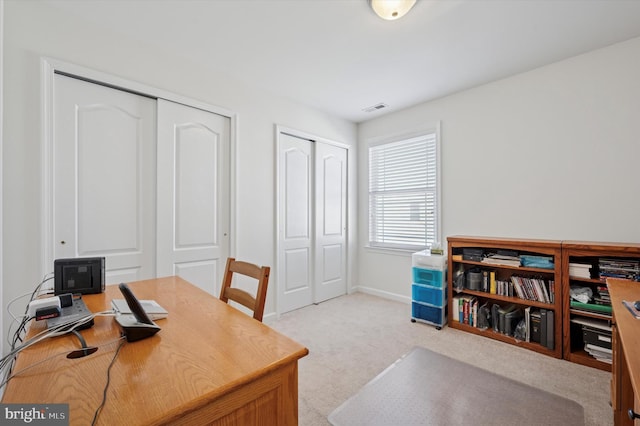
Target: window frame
399	137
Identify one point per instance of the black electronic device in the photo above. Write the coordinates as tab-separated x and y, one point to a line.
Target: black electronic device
473	254
137	325
82	275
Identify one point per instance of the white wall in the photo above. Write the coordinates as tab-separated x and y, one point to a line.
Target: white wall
552	153
33	30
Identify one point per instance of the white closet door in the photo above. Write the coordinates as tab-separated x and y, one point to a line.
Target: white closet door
295	257
104	177
312	205
331	221
193	195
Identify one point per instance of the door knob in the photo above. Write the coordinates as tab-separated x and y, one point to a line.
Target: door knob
633	415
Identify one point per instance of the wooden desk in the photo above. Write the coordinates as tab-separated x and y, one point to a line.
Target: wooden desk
625	382
210	364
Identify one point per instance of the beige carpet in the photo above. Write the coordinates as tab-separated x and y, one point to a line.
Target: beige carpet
354	338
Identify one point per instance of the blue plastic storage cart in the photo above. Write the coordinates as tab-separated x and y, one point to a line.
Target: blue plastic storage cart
429	288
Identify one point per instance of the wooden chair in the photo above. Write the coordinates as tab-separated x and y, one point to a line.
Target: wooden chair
260	273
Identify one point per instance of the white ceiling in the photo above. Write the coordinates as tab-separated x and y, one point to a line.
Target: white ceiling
338	56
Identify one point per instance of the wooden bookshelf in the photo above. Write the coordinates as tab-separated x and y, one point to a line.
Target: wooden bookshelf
550	276
589	253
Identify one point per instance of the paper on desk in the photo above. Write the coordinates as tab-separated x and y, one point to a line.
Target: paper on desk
632	309
151	307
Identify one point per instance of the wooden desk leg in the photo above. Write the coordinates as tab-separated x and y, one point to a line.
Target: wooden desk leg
622	398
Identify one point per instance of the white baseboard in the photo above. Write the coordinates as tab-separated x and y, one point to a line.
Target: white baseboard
269	318
382	293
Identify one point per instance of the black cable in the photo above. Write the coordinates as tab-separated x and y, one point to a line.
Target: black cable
106	387
6	363
65	352
84	350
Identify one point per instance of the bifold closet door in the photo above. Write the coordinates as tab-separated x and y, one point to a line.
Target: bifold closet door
295	239
193	194
330	245
312	222
104	175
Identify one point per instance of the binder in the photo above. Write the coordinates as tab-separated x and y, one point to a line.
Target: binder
550	333
534	331
543	327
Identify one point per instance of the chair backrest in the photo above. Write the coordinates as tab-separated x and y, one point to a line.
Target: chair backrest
260	273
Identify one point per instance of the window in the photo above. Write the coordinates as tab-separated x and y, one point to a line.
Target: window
404	193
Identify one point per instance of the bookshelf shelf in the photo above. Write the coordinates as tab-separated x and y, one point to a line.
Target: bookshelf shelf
588	253
514	268
539	284
504	338
604	317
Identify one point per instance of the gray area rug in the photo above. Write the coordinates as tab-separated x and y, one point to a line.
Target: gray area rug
426	388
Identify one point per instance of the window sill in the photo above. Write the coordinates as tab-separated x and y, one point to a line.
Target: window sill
391	251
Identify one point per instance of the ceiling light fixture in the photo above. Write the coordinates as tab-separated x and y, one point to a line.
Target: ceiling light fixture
391	9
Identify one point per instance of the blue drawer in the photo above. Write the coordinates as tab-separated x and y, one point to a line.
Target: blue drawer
431	295
427	276
431	314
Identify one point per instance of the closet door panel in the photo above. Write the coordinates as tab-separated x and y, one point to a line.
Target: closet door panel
104	177
193	195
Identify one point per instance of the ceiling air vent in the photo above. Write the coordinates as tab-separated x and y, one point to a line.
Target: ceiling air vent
376	107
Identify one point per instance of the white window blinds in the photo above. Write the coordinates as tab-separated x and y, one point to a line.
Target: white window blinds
403	184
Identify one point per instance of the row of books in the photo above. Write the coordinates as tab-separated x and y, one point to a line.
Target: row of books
580	270
528	324
607	268
619	268
602	296
536	289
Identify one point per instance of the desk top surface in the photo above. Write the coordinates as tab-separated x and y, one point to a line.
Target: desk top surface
205	349
628	325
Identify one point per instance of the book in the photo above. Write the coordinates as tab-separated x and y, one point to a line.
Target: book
456	305
151	307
